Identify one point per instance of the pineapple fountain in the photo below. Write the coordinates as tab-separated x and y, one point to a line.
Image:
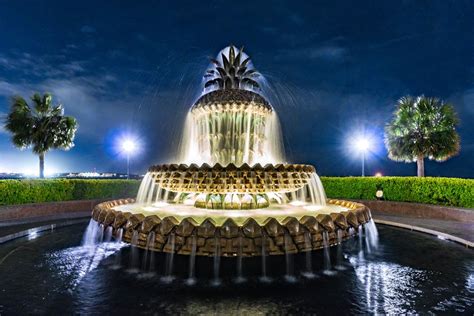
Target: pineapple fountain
231	192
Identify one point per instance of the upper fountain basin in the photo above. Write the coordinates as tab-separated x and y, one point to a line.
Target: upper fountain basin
231	100
220	179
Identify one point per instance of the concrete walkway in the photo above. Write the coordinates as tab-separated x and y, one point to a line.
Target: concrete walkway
462	232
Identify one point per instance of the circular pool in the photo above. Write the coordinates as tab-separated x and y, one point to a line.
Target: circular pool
51	273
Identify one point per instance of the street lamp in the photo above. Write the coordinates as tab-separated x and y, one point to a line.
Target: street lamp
129	147
362	144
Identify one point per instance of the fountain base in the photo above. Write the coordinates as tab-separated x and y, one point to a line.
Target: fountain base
230	237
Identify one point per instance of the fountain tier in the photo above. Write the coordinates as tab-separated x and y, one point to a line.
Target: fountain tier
241	233
231	126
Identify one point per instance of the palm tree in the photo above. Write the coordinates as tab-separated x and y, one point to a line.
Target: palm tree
422	128
40	126
233	73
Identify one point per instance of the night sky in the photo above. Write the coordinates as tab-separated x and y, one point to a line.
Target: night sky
335	69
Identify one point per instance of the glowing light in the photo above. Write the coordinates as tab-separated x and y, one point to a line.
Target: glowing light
378	174
362	144
129	146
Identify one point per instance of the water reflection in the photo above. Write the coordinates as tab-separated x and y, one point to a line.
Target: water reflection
76	262
463	301
387	287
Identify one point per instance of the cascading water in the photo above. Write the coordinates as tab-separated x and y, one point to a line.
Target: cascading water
327	255
237	137
339	259
361	240
134	253
150	245
264	277
101	233
149	253
168	278
108	234
192	262
240	278
92	234
217	261
118	255
372	235
309	265
290	277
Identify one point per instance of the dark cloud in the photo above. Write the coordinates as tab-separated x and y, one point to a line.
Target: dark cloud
87	29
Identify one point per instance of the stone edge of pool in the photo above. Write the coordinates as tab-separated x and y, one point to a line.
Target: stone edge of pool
439	234
36	212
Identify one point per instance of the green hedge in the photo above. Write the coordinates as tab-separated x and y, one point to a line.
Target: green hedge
440	191
35	191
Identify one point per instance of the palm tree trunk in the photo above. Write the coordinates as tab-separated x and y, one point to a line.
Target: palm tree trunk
41	165
420	164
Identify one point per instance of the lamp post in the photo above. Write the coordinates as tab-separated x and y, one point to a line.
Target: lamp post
362	145
129	147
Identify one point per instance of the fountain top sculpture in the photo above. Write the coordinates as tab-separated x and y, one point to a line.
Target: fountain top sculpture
232	186
234	84
232	71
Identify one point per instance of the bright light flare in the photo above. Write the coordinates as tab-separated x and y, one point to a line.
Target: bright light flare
362	144
129	146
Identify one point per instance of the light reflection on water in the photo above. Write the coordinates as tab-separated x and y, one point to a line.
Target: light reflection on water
76	262
470	282
388	287
464	300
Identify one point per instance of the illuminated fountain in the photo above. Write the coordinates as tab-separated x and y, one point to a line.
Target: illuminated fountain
232	192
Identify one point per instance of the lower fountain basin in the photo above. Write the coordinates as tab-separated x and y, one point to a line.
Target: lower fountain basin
277	230
51	273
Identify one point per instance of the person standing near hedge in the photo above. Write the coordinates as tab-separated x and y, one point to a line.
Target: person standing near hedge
40	126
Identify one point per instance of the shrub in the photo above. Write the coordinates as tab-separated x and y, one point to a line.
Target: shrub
36	191
440	191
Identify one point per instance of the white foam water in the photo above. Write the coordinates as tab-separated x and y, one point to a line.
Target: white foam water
92	234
